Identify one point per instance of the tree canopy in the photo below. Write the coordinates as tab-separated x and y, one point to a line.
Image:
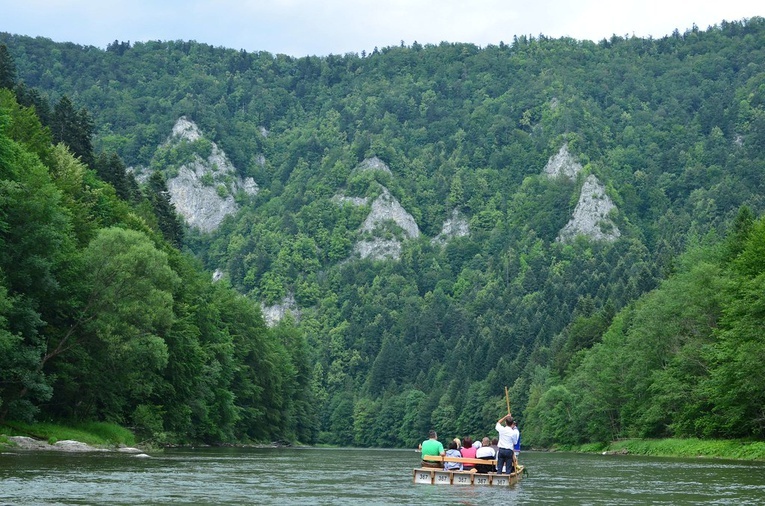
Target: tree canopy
651	334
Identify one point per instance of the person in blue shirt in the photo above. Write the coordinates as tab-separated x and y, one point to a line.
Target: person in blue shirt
453	452
517	445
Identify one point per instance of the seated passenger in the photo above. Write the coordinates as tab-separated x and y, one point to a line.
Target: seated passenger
485	452
431	446
467	452
453	452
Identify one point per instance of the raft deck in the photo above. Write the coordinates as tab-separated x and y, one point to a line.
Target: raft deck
433	476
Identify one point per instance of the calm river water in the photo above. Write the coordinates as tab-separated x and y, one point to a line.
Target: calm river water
354	476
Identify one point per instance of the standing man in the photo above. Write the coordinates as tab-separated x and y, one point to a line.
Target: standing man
431	446
507	439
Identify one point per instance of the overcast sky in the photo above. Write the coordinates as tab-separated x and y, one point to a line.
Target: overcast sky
322	27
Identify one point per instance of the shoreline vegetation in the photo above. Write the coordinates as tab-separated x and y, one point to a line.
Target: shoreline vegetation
84	436
95	436
734	449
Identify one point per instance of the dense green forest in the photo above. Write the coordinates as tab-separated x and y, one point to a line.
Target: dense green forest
107	314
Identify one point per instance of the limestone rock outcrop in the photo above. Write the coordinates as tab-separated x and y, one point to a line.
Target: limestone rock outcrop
591	216
386	225
341	199
203	189
274	314
455	226
370	164
562	164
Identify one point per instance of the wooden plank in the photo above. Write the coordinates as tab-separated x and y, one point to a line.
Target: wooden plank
429	476
461	460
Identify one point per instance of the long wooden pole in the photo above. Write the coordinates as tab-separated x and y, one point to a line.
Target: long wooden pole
507	399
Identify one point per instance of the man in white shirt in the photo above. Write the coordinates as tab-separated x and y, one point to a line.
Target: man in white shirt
508	436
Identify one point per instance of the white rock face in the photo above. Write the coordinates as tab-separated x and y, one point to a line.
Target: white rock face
385	209
591	216
373	163
378	249
274	314
340	200
204	206
562	164
456	226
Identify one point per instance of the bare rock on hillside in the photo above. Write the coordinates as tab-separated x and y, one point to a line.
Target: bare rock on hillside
591	217
203	189
562	164
341	200
371	164
455	226
378	249
386	225
274	314
387	208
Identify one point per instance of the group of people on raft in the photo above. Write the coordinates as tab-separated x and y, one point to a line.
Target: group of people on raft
504	448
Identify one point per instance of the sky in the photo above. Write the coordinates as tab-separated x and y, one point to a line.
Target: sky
323	27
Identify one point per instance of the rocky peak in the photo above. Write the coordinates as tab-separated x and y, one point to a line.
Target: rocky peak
591	216
185	130
203	187
372	164
562	164
379	239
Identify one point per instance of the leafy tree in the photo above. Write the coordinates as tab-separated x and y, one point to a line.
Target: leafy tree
127	311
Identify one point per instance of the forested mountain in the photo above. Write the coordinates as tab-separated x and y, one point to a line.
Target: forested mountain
646	326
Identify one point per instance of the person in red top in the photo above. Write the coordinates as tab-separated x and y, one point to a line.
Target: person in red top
467	452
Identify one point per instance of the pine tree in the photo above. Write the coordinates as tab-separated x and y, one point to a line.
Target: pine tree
7	68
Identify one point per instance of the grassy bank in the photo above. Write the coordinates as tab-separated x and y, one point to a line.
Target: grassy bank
92	433
724	449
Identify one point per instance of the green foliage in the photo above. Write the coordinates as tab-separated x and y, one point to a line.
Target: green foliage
102	319
652	335
93	433
690	448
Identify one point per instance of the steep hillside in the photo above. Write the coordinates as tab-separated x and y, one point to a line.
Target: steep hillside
447	219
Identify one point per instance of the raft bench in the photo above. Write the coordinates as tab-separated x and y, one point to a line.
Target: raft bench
433	476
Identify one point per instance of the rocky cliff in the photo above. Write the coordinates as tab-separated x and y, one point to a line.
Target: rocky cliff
591	216
203	188
386	225
562	164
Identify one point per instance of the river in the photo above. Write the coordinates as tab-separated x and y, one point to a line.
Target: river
356	476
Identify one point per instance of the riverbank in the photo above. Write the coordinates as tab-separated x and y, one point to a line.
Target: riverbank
716	448
92	436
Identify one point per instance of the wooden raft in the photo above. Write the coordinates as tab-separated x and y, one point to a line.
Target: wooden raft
432	476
